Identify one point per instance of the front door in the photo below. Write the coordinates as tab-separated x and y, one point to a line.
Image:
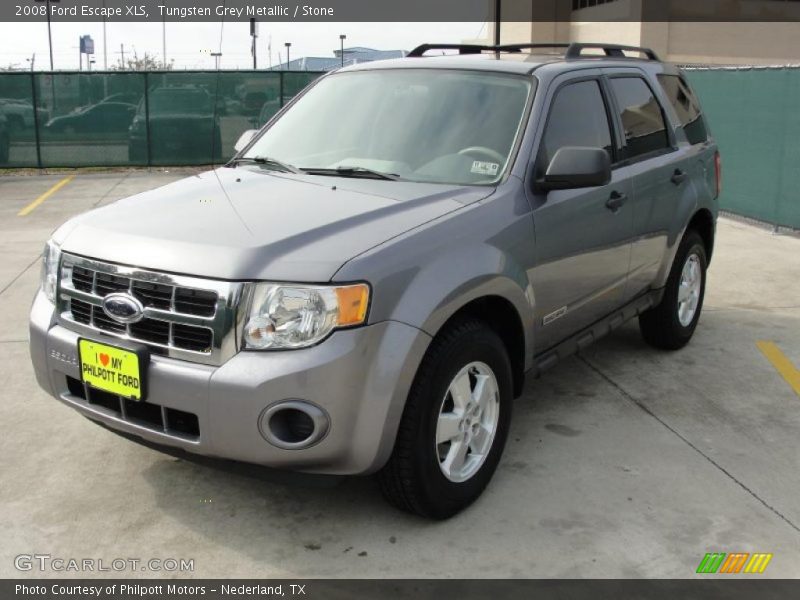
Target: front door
583	236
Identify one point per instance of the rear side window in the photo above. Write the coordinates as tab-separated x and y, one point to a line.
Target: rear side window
641	116
686	106
577	118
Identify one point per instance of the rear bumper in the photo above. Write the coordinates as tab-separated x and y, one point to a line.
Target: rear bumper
359	377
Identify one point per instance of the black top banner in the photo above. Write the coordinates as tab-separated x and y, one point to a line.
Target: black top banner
400	10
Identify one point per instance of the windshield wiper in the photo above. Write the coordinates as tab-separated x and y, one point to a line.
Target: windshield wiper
266	161
351	172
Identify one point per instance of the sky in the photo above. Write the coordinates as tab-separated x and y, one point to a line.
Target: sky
190	44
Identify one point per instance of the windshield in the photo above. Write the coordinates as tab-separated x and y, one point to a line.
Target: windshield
442	126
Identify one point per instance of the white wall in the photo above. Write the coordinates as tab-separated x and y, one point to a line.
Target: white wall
756	43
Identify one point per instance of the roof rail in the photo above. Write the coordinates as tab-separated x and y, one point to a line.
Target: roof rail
462	49
573	50
576	49
521	47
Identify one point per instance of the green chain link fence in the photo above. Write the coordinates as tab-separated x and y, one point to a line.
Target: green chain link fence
195	117
754	113
135	118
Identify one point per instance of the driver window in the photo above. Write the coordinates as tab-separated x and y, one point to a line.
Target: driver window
577	118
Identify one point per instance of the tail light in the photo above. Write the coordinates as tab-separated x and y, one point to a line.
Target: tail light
718	172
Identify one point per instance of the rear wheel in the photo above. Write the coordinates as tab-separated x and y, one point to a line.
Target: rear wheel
455	423
671	324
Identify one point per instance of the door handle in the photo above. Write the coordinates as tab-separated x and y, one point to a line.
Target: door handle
615	201
678	177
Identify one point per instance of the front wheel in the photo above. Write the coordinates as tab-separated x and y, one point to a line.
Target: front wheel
455	423
671	324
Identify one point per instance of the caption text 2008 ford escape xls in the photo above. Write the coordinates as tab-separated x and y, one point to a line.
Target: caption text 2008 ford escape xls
363	287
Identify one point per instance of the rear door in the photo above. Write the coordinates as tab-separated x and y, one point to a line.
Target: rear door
690	119
659	171
582	235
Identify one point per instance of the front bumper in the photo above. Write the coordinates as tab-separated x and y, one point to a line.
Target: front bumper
360	377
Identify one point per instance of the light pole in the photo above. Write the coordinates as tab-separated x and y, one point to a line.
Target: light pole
217	56
288	60
49	34
342	38
254	47
105	41
497	22
164	38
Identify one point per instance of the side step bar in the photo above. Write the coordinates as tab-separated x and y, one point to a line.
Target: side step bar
574	344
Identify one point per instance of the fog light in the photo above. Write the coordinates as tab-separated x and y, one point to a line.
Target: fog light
293	424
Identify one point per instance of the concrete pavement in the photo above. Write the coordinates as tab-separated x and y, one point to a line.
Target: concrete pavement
622	462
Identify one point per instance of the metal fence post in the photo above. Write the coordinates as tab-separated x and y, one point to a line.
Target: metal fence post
147	117
280	88
36	118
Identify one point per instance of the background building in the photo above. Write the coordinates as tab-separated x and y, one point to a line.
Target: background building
352	56
673	28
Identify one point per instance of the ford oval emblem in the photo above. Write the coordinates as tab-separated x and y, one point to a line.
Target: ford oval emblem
123	308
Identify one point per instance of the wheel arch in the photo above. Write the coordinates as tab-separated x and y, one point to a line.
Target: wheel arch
504	319
703	223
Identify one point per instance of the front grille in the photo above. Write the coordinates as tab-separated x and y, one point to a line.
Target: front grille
184	317
81	311
193	338
195	302
151	330
145	414
82	279
105	284
155	294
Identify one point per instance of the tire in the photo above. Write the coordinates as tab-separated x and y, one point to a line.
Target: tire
413	480
665	326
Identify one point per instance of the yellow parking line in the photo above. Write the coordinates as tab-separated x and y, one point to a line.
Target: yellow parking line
782	364
30	208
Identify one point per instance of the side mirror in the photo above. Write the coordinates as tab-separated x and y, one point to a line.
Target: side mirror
245	139
577	167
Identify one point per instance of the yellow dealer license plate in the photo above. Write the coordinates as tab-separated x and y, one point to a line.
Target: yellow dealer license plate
112	369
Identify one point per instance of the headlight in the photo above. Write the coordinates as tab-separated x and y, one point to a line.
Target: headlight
50	261
296	316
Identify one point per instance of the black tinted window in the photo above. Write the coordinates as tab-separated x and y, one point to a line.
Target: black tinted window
577	118
641	116
686	106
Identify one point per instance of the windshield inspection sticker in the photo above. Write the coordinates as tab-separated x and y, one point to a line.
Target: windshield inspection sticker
485	168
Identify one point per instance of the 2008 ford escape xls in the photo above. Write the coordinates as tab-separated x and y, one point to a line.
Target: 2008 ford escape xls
364	286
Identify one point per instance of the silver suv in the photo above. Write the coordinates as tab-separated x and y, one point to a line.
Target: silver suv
363	288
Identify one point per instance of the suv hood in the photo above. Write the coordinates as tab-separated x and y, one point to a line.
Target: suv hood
255	224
